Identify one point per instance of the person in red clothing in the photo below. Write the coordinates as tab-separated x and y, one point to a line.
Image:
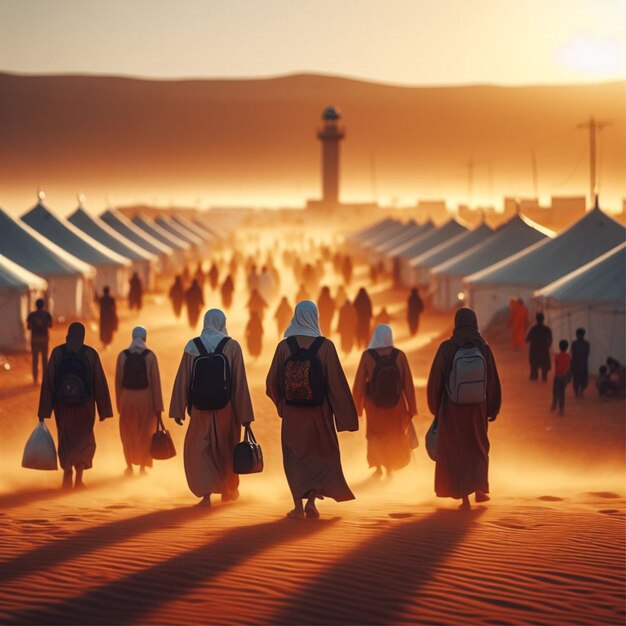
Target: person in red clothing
562	375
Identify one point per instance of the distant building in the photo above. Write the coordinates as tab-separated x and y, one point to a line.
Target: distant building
436	210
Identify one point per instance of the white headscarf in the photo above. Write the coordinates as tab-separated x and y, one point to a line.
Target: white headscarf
382	337
213	331
138	343
305	320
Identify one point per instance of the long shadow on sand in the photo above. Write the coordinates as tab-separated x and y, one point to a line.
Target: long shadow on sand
28	496
127	600
374	581
84	541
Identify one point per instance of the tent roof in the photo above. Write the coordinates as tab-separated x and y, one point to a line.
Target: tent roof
452	247
70	238
546	261
384	233
411	230
14	277
197	229
179	230
121	224
602	280
371	229
31	250
158	232
108	236
432	238
516	234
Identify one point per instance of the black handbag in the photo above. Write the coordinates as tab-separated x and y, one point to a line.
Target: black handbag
248	456
432	439
162	446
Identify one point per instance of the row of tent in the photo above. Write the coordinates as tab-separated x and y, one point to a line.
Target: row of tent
485	268
69	260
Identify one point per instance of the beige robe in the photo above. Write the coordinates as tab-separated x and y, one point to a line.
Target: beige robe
387	441
309	440
212	435
138	409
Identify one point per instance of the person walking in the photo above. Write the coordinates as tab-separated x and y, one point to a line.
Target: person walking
194	299
177	296
539	338
39	322
135	293
414	310
363	307
108	318
580	350
346	326
562	376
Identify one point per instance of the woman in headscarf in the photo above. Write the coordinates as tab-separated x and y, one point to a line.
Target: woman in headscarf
139	400
387	440
326	307
309	433
75	416
363	306
463	445
212	434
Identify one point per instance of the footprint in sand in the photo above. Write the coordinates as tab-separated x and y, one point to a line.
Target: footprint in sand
510	524
612	512
550	499
401	515
72	518
119	506
602	494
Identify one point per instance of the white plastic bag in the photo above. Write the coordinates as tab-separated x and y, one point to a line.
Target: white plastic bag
40	452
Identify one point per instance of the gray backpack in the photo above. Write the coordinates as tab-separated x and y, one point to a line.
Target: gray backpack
467	383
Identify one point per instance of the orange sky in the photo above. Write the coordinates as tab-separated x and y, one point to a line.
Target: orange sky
401	41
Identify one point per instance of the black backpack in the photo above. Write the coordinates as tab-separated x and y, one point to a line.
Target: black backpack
74	384
303	383
210	378
135	374
385	388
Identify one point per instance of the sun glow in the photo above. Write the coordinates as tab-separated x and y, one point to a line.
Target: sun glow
594	56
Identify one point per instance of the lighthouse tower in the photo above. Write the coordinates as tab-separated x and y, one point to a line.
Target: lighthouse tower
330	134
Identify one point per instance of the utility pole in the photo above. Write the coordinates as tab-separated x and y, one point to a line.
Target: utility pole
594	127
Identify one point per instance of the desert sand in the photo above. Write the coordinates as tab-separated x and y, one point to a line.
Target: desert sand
548	549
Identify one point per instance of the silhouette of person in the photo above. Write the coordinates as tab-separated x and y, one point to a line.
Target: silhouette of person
39	323
199	276
579	350
303	294
177	296
283	314
562	376
326	307
363	308
195	301
346	326
228	287
520	324
108	317
414	309
539	338
256	304
346	271
254	334
382	318
214	275
135	293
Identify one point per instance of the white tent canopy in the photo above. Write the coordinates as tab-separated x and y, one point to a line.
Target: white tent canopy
592	297
520	275
112	269
19	289
422	264
410	231
143	262
198	230
365	232
70	280
180	231
381	234
447	278
181	249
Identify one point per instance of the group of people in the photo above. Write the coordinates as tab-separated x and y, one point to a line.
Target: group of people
309	389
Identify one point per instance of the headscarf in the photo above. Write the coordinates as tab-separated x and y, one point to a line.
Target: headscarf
466	328
305	321
139	336
213	331
75	336
382	337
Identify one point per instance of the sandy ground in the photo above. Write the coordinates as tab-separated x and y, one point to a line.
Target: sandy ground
548	549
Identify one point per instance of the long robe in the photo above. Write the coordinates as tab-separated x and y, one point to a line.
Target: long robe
283	314
463	445
108	319
386	433
212	435
326	307
539	338
138	409
363	307
346	326
76	440
195	302
311	455
519	326
177	297
415	307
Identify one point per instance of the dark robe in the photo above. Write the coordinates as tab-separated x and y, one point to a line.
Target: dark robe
415	307
135	293
346	326
462	464
254	336
227	292
108	319
177	297
309	439
76	440
539	338
283	314
387	440
195	302
326	307
346	270
363	308
580	364
213	276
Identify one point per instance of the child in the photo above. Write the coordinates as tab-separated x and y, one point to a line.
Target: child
562	376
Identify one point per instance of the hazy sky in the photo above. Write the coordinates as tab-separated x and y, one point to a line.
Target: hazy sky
401	41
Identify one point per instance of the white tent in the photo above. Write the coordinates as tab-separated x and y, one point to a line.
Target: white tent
364	233
520	275
181	249
403	254
19	289
197	229
197	243
112	269
70	280
120	223
411	231
447	278
143	262
381	235
592	297
421	265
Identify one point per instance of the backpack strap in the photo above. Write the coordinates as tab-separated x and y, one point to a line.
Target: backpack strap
315	346
220	345
201	349
394	354
292	342
127	353
374	355
145	353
